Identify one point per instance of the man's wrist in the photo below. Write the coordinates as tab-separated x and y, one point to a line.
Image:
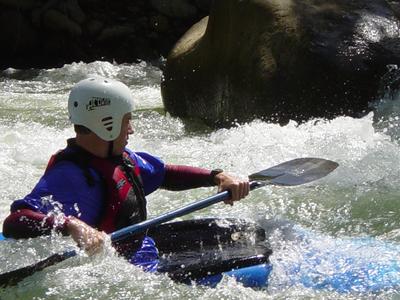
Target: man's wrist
63	225
213	176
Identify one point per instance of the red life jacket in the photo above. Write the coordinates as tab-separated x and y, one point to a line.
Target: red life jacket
125	202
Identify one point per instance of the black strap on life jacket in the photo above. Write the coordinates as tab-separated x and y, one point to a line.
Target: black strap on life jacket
119	211
131	211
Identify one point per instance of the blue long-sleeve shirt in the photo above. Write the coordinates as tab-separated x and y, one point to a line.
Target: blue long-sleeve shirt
64	188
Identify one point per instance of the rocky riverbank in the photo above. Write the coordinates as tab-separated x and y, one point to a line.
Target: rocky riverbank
50	33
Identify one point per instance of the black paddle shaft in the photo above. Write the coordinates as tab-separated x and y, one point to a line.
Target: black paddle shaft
13	277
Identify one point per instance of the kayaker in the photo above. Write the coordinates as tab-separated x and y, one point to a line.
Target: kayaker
96	185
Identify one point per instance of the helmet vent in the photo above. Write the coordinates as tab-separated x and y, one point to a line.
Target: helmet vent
107	123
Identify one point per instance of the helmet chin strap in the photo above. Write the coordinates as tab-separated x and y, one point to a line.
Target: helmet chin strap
110	148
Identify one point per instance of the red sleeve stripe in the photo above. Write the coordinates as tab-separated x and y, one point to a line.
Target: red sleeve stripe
26	223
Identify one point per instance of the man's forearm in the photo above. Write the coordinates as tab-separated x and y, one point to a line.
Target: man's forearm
179	177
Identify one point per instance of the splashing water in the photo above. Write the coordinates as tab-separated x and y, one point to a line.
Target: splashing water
353	212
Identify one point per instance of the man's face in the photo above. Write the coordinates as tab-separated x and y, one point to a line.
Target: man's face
122	140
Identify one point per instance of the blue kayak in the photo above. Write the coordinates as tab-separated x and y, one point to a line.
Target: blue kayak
195	251
203	251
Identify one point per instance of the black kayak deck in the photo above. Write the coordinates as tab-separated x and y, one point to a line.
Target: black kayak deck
195	249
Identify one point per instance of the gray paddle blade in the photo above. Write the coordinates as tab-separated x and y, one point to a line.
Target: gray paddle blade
296	171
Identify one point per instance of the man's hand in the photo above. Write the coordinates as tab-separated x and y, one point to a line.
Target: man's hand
87	238
237	187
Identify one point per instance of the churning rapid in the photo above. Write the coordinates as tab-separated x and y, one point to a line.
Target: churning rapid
353	212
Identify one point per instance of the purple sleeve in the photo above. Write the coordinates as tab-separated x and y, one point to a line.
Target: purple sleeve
64	188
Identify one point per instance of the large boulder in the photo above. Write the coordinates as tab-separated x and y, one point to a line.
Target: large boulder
174	8
281	60
54	20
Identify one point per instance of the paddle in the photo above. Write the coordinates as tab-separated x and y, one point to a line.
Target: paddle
290	173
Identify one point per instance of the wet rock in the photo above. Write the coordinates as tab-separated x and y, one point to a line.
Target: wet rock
75	12
281	60
204	4
94	27
395	5
175	8
115	32
23	4
17	36
159	23
54	20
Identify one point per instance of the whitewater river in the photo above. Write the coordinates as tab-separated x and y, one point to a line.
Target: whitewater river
360	201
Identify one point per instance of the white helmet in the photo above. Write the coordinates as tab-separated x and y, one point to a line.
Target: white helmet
99	104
